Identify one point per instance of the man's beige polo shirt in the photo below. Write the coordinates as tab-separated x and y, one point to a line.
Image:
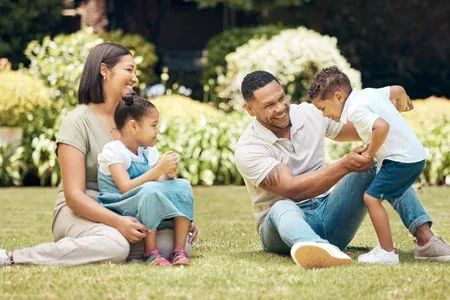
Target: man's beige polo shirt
258	151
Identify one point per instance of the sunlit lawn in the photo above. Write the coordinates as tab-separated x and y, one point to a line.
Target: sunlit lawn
228	262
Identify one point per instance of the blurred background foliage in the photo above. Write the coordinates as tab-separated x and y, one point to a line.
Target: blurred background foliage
377	43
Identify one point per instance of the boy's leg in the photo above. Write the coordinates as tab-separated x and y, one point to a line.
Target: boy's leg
380	221
343	210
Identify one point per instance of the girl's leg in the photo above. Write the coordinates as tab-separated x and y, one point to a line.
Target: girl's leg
179	256
380	222
150	242
181	226
151	253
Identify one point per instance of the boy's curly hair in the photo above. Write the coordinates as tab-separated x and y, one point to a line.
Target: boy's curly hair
327	81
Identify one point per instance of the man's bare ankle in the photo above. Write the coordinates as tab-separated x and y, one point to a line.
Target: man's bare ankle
11	258
423	234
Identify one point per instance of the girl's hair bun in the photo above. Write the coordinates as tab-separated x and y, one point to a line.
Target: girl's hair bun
128	99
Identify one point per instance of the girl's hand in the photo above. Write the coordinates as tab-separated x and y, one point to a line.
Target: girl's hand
168	162
194	233
131	229
173	173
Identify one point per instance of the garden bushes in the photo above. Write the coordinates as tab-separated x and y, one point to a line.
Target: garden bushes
294	56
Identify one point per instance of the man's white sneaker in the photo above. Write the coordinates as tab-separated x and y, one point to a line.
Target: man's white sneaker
379	256
318	255
4	258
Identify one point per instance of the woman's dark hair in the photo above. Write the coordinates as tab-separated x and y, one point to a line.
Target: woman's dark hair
132	107
91	87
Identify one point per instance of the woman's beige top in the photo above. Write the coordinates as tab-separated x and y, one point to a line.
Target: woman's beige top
82	129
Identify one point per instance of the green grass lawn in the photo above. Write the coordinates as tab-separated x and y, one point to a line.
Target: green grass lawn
228	262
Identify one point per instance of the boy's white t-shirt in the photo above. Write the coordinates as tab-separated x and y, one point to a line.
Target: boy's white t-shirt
363	107
115	152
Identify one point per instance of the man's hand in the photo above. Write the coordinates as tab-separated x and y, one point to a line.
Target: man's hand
356	162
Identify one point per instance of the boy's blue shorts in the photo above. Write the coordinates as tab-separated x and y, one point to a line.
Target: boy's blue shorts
394	179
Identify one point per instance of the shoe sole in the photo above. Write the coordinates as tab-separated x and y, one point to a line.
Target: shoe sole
181	264
437	258
309	257
380	262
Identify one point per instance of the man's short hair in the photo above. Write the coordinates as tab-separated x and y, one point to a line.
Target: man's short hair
254	81
328	81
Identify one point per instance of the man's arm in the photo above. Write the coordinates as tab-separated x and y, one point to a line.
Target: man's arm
281	181
347	134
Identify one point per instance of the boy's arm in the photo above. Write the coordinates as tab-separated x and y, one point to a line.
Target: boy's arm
380	129
400	98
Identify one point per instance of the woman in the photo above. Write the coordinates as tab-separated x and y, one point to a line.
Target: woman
84	231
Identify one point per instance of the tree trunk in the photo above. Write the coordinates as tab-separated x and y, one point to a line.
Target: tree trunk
95	15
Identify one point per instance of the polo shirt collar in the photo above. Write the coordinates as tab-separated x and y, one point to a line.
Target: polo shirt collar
266	134
350	99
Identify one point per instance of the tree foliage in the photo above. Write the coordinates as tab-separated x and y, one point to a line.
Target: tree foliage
24	21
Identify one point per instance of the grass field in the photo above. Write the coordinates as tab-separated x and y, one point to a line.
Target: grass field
228	262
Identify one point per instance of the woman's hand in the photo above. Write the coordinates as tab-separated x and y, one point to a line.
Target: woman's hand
194	234
131	229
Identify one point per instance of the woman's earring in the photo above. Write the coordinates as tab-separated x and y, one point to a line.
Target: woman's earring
104	77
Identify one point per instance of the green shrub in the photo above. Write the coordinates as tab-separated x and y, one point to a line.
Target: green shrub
25	102
177	106
224	43
206	147
24	21
142	50
44	160
293	56
59	62
21	99
11	165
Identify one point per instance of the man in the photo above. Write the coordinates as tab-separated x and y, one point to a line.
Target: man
281	157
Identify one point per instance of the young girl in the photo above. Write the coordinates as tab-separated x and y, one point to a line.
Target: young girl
134	181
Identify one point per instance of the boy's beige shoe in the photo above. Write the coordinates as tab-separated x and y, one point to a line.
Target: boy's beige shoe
436	249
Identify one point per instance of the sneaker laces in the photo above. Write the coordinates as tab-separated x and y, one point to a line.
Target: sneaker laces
375	250
442	242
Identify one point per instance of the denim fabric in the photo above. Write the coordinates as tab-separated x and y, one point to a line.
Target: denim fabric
394	179
334	218
150	202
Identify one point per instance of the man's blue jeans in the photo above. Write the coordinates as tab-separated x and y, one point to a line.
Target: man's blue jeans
334	218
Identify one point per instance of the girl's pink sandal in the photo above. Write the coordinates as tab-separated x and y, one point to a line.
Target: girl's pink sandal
154	258
179	257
